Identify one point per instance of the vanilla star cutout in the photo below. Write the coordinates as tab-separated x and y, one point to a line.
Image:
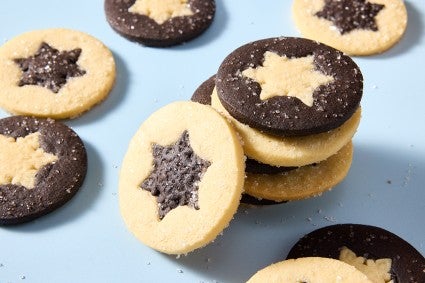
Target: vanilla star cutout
21	159
376	270
283	76
161	10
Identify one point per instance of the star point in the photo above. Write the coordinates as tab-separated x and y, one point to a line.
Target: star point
283	76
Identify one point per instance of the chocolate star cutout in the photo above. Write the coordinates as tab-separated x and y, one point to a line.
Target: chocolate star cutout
348	15
49	67
176	173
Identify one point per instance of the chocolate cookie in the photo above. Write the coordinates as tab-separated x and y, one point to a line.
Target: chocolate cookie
43	163
182	178
351	241
160	23
259	85
54	73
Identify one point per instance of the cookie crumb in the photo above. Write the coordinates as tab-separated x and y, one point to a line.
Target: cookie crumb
179	270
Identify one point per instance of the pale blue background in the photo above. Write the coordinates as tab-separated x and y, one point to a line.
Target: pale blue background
86	240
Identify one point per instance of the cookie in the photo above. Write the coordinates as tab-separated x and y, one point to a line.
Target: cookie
54	73
160	23
289	86
356	27
182	178
379	253
291	151
303	182
309	269
43	164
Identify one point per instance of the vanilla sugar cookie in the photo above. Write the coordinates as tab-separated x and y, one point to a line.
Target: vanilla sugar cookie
303	182
309	269
160	23
356	27
182	178
54	73
291	151
289	86
380	254
43	164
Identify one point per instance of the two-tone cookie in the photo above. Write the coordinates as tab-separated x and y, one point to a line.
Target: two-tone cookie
43	163
356	27
182	178
295	103
380	254
160	23
54	73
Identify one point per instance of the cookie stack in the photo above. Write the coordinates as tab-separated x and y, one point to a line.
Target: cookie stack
296	106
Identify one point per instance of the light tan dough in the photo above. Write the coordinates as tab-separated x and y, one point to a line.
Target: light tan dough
291	151
303	182
78	95
311	270
391	22
184	228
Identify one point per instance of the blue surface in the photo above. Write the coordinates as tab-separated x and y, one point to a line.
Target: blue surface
86	240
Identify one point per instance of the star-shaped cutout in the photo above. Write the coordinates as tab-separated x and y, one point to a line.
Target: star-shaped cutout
161	10
21	159
376	270
176	173
283	76
49	67
348	15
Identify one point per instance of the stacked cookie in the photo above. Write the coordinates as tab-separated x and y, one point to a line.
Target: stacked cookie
296	106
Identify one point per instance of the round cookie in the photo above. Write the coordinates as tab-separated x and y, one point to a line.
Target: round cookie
356	27
289	86
171	151
291	151
43	163
309	269
374	244
160	23
303	182
54	73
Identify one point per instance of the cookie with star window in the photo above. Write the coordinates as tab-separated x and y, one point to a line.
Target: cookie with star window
356	27
378	253
182	177
54	73
160	23
43	164
289	86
